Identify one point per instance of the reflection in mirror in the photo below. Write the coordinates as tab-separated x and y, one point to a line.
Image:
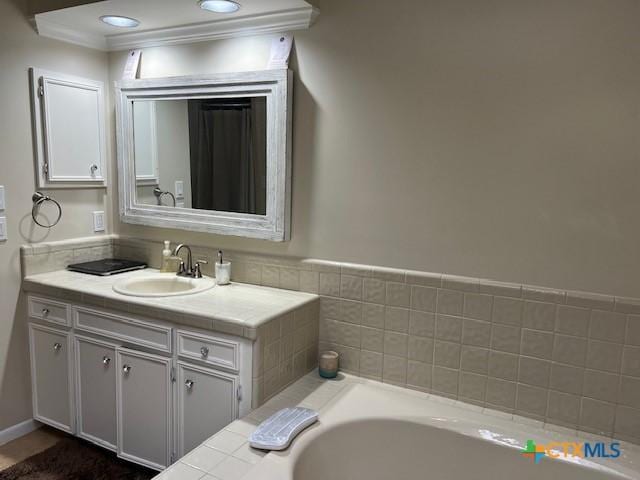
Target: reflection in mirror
207	154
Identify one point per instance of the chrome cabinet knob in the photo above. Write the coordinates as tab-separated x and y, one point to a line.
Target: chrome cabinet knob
189	384
45	312
204	351
126	369
57	346
94	168
106	360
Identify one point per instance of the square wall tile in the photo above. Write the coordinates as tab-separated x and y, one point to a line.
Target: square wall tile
503	365
629	392
446	354
601	385
570	350
419	374
572	320
627	422
351	311
476	332
422	324
450	302
472	386
351	287
563	408
396	319
608	326
329	284
394	370
537	344
478	306
371	364
505	338
566	378
448	328
398	294
631	361
474	359
421	349
597	417
531	400
507	311
396	344
423	298
539	315
604	356
445	380
373	315
534	371
501	393
633	330
372	339
374	290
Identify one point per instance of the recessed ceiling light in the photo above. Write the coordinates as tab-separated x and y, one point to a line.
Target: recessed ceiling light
219	6
119	21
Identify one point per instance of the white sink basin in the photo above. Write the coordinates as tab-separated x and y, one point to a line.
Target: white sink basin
162	285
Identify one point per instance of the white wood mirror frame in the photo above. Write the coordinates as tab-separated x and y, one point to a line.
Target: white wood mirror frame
275	86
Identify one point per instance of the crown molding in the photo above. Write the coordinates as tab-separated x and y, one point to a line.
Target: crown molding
273	22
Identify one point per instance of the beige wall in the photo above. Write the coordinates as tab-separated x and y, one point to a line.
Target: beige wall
21	48
496	139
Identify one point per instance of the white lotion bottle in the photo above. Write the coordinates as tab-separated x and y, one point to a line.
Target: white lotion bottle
223	271
166	257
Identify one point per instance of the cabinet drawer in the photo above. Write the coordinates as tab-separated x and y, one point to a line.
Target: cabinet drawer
215	351
128	329
49	310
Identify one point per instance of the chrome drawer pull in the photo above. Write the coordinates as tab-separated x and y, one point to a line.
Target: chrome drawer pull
189	384
204	351
57	346
45	312
126	369
106	360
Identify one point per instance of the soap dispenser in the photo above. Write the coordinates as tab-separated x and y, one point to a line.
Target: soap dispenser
167	255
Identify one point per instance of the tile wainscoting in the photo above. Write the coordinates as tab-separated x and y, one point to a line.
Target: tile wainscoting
560	357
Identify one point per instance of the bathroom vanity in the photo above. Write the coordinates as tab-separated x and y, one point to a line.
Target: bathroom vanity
151	378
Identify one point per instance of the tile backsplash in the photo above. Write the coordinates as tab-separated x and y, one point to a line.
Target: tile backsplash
561	357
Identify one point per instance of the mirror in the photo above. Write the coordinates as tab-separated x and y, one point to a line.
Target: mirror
206	153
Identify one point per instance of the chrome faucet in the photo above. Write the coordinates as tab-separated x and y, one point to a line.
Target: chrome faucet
189	269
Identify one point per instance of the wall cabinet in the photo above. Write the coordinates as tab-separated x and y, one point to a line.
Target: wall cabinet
117	381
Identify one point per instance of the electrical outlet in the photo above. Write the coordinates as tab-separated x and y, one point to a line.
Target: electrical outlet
2	207
98	221
179	189
3	229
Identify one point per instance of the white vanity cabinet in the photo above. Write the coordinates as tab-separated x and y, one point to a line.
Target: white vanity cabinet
143	388
144	404
207	402
51	377
96	391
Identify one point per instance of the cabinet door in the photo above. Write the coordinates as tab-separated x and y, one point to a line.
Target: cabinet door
144	408
207	402
51	363
96	391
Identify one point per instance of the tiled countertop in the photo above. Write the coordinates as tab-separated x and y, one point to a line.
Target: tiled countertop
228	456
236	305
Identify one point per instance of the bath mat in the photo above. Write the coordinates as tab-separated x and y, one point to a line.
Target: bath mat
73	459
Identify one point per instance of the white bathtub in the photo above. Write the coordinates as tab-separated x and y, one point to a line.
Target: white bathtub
373	432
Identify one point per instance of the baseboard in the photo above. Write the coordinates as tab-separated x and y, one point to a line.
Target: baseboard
18	430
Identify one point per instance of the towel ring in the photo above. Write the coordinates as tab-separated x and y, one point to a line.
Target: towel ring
38	199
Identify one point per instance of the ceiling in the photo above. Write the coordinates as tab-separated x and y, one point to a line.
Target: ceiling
170	21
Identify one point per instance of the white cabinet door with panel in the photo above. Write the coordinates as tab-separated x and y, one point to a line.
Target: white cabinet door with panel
144	408
69	130
96	391
51	376
207	402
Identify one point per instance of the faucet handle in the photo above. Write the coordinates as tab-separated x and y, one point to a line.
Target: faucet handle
197	271
181	268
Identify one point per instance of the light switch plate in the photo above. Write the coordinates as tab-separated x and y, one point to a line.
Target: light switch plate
3	229
2	207
179	189
98	221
